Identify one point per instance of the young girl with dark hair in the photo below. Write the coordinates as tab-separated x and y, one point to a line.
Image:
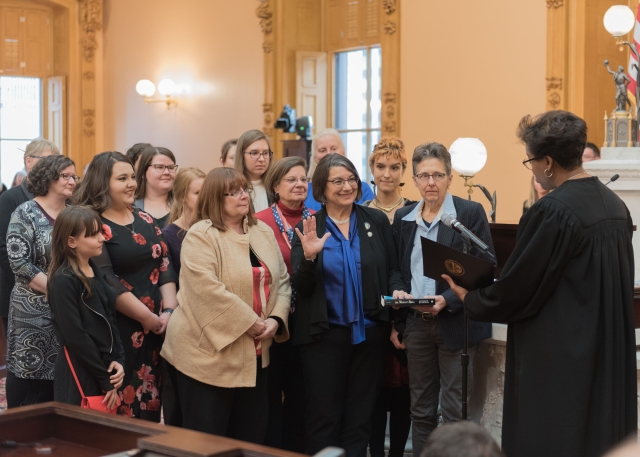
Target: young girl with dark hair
83	309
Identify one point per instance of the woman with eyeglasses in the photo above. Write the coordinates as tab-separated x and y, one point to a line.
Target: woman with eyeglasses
433	335
286	184
567	294
155	176
234	301
343	260
137	264
253	160
32	346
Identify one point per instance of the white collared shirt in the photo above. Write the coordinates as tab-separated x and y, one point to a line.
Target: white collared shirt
421	285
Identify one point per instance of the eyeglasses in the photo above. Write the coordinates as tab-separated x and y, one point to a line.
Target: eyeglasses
424	177
257	154
161	168
68	177
527	163
303	180
339	183
236	193
36	157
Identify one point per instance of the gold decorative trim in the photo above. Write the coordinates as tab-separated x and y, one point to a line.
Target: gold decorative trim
267	110
88	121
554	100
90	18
389	124
554	83
88	75
390	27
267	46
389	6
554	3
265	14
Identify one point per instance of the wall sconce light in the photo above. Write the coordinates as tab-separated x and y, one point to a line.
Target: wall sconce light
468	156
166	87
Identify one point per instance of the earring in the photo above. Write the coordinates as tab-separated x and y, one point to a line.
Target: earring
401	184
545	173
276	196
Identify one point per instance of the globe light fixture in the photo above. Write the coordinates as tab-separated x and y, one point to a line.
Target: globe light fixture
166	87
619	20
468	157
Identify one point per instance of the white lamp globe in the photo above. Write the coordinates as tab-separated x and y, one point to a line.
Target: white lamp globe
166	87
468	156
145	88
619	20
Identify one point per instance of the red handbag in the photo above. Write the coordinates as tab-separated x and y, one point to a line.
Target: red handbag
94	402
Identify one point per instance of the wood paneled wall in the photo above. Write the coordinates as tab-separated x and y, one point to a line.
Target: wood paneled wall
577	45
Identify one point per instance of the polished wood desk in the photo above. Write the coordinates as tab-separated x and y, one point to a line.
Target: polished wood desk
74	432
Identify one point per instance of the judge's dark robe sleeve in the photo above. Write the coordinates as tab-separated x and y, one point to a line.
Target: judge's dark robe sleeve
545	244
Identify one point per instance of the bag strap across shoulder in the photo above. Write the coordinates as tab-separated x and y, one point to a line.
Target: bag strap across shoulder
66	353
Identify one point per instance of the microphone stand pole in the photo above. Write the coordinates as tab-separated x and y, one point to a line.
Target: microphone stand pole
464	358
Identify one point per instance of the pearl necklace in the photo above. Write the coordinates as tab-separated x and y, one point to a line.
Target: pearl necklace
389	208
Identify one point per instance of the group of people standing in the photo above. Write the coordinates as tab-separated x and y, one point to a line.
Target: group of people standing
245	302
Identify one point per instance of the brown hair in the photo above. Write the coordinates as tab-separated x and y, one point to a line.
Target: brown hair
321	175
210	204
278	171
226	147
146	157
38	146
390	147
72	221
46	172
247	139
94	189
134	151
184	178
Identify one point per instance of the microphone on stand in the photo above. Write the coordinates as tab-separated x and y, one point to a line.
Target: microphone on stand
450	221
613	178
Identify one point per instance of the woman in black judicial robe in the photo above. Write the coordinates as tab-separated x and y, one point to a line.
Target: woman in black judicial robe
567	294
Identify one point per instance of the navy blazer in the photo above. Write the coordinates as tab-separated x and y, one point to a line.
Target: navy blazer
471	215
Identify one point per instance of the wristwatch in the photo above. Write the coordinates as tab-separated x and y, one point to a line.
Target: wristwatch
168	310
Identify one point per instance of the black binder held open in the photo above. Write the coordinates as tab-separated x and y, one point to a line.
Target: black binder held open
466	270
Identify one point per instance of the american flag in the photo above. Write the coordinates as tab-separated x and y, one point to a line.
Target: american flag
632	69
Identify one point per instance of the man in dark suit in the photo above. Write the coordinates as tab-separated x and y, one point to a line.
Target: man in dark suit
433	335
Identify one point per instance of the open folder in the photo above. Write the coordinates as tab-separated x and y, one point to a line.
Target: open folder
466	270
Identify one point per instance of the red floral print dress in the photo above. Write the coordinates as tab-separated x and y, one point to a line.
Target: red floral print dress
137	261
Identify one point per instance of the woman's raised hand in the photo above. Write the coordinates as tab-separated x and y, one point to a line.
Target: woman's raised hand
311	244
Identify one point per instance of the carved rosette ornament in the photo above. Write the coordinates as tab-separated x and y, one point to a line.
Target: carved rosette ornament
554	86
265	15
88	121
390	27
389	6
90	12
389	121
267	110
554	3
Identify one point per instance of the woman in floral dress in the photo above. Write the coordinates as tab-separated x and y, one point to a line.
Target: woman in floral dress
137	264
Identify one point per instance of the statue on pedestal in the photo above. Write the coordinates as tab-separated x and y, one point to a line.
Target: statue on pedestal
622	81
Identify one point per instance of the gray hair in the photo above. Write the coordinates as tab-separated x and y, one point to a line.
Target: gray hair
38	146
314	147
431	151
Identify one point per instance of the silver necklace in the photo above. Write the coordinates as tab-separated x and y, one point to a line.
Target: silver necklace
341	221
571	177
132	229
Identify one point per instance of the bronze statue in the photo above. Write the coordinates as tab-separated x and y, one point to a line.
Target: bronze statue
622	81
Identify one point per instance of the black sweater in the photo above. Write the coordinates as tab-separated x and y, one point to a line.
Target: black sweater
380	274
86	325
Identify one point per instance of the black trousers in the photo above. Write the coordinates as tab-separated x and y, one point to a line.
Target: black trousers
343	383
396	400
170	400
286	416
239	412
23	392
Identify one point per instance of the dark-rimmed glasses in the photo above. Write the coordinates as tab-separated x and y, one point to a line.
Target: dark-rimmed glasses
257	154
424	177
68	176
236	193
527	163
339	183
161	168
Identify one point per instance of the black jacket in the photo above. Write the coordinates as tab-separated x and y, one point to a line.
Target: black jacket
9	201
87	327
379	268
471	215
